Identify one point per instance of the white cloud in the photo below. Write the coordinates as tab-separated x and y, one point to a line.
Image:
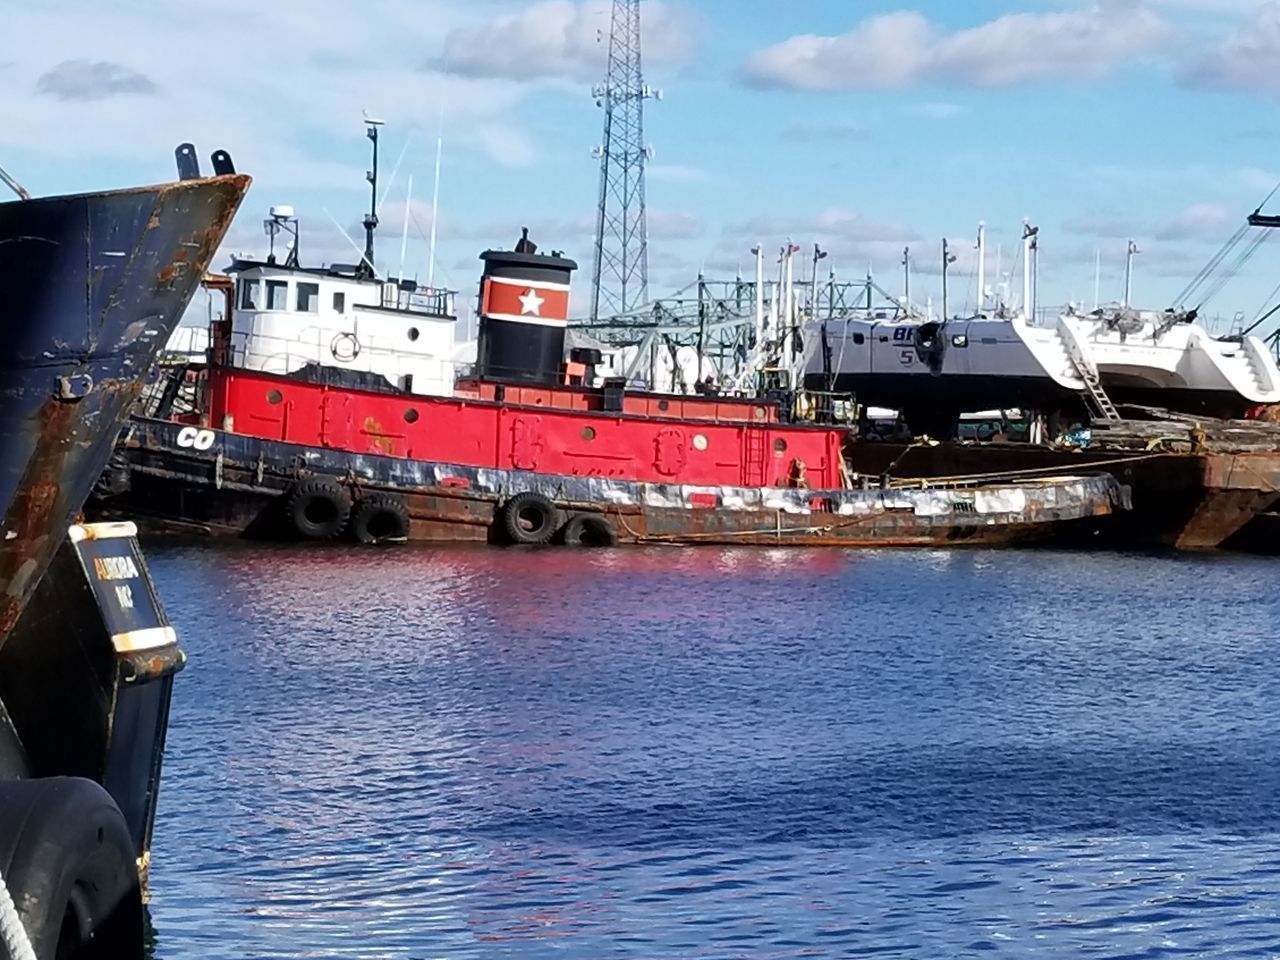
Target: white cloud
1200	221
1244	60
561	39
672	224
899	49
825	131
852	239
938	110
676	172
1104	225
505	144
93	80
293	77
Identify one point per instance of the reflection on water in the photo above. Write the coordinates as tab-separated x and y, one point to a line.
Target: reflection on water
699	753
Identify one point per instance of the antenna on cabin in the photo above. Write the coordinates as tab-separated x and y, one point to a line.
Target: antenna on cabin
371	218
282	219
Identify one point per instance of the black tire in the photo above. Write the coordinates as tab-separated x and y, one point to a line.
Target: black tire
380	518
590	530
115	479
529	518
318	508
69	863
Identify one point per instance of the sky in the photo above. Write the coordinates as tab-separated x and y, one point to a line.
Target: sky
861	125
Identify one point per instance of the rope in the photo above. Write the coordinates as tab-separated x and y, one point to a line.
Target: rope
1235	268
1207	270
12	933
1262	313
1027	472
1268	197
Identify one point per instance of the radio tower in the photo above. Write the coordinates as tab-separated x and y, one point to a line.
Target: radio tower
620	278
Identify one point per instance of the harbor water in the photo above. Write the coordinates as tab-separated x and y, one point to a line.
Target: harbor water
660	753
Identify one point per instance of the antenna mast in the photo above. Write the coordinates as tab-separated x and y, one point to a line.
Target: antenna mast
620	277
371	218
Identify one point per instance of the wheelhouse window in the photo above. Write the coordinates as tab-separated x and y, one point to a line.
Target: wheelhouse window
308	298
340	302
277	294
249	295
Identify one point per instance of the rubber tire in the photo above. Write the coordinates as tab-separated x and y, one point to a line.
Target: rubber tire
590	530
115	479
376	509
69	862
307	493
516	510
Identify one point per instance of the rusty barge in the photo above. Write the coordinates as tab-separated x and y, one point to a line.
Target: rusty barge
1197	483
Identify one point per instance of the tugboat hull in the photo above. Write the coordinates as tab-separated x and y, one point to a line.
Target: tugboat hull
189	480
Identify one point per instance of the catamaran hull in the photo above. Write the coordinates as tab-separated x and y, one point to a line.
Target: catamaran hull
943	399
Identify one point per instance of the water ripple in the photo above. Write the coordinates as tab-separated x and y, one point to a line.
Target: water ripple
718	754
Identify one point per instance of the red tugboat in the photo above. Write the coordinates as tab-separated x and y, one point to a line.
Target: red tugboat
328	406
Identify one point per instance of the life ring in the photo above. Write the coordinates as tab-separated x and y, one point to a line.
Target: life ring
589	530
71	867
529	518
318	507
380	518
345	347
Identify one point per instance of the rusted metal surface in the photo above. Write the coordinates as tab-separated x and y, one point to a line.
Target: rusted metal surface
93	286
1180	499
1220	516
230	487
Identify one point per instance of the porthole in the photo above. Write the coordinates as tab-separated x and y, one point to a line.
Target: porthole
413	333
274	396
779	446
664	406
699	441
588	433
411	415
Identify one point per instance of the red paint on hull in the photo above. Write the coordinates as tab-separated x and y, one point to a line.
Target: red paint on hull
513	435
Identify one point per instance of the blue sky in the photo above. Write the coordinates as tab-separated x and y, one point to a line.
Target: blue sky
866	126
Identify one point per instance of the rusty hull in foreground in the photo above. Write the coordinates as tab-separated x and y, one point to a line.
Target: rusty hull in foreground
94	285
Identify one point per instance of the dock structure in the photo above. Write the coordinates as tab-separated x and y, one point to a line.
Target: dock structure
733	329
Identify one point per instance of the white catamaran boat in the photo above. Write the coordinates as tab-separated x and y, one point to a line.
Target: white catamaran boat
1081	365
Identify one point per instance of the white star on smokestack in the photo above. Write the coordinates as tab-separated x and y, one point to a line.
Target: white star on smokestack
531	303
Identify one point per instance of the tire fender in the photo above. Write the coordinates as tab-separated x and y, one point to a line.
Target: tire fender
590	530
318	508
70	865
380	518
529	518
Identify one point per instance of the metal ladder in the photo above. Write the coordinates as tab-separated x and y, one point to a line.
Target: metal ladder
1101	403
1093	386
755	456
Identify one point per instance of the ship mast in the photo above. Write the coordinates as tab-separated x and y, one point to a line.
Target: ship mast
366	268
